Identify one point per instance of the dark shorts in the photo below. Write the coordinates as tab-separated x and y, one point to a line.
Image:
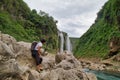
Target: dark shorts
36	56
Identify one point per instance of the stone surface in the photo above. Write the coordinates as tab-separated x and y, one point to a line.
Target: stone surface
16	63
59	57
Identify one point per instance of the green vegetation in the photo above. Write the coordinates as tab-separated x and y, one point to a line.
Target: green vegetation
17	20
94	43
74	42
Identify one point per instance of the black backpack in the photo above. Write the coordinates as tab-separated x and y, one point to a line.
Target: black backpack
33	45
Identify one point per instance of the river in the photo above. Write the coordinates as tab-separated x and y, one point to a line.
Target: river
104	75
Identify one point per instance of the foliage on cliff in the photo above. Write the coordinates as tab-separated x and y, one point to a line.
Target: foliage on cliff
94	43
17	20
74	41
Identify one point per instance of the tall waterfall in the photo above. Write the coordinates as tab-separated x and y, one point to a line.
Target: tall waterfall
64	43
60	34
68	44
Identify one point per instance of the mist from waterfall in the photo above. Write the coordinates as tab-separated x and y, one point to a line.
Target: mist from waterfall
68	44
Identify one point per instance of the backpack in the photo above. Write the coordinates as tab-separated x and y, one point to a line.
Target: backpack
33	45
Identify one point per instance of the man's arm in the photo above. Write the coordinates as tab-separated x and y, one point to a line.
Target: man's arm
39	50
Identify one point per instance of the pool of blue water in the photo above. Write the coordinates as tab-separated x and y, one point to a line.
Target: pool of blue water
105	75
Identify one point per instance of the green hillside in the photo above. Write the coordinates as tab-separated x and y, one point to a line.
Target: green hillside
17	20
74	42
94	43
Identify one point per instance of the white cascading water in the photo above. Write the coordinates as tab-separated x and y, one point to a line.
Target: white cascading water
61	41
68	44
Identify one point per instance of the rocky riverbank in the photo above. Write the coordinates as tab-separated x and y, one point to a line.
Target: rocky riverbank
103	65
16	63
111	61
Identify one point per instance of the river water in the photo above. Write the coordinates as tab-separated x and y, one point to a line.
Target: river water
103	75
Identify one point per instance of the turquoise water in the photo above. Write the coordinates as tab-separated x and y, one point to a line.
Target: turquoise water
103	75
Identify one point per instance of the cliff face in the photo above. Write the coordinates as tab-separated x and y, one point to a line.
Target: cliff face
18	20
107	25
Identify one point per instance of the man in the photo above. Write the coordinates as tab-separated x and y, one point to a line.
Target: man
37	54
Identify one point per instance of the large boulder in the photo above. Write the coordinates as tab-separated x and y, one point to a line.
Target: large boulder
48	63
114	46
15	60
7	39
72	74
5	49
68	68
117	58
59	57
69	62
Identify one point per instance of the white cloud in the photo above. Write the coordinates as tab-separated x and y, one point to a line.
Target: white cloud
74	16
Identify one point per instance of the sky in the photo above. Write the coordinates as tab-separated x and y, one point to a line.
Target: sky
74	16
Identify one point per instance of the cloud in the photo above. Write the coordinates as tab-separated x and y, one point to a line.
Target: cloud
74	17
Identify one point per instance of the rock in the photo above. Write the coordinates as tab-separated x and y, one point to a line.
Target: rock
91	76
65	65
10	76
8	66
0	35
59	57
6	49
61	74
2	51
68	65
72	74
15	59
70	58
16	63
25	44
33	75
7	39
68	69
117	58
114	47
48	63
67	61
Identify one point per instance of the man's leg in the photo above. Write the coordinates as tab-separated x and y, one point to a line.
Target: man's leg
40	61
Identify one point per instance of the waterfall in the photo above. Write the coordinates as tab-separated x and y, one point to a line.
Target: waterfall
68	44
61	38
64	43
